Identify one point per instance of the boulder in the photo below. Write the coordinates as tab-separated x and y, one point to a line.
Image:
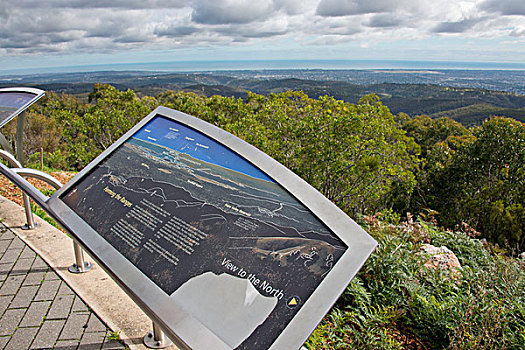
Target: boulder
441	258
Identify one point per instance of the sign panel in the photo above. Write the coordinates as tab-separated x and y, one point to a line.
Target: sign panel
14	101
221	245
206	225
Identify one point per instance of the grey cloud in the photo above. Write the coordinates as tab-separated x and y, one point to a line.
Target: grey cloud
176	31
12	44
4	13
263	34
108	27
333	30
345	31
28	42
96	4
49	22
384	21
505	7
131	39
457	27
129	4
291	7
230	12
334	8
250	31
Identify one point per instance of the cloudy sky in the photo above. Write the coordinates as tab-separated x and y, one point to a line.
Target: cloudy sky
78	32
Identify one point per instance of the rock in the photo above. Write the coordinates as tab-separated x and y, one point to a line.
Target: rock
522	256
441	258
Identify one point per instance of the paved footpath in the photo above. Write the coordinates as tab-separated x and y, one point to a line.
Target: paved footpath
38	309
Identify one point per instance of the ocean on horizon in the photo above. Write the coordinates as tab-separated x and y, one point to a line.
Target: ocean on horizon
194	66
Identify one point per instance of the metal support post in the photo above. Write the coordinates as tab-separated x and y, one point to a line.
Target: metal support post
20	137
157	339
30	221
80	265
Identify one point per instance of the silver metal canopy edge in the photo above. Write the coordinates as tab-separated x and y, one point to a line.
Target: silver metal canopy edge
38	95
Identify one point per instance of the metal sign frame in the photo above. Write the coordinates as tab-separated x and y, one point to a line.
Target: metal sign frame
37	92
184	329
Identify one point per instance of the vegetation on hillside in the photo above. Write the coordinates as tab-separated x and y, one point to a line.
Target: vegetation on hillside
396	302
367	161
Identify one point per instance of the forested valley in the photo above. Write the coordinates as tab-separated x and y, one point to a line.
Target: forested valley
409	181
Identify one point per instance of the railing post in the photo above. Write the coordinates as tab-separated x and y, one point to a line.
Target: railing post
20	137
80	265
30	222
157	339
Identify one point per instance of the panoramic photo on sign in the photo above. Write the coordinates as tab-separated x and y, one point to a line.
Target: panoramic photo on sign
13	101
215	233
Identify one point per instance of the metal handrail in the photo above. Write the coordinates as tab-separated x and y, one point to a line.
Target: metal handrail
10	158
39	175
80	264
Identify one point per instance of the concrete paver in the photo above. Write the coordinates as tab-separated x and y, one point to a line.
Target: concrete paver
5	300
91	341
22	266
11	285
35	314
75	326
3	341
10	320
22	339
48	334
34	277
24	297
61	307
48	290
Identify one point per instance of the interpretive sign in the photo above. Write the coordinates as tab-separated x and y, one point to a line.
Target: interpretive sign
221	245
14	101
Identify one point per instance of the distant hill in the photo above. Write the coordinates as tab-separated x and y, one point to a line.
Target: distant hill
471	115
468	105
413	99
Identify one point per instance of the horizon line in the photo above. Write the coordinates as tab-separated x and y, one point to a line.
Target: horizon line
186	66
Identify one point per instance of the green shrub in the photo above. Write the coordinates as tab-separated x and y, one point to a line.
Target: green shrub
397	303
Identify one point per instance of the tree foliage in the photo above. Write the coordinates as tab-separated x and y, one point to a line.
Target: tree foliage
352	153
358	155
480	180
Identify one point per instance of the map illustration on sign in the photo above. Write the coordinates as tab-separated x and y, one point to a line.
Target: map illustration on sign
211	230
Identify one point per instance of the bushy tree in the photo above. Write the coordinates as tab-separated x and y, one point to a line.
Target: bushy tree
108	116
352	153
428	132
483	183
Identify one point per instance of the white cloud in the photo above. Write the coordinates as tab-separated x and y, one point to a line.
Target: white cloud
64	26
